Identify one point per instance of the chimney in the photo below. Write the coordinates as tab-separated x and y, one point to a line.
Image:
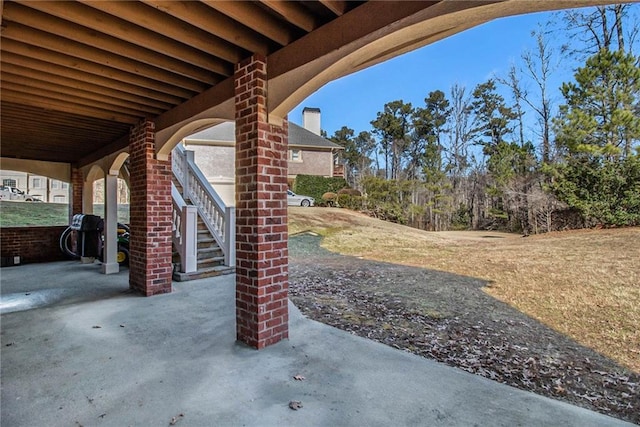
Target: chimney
311	119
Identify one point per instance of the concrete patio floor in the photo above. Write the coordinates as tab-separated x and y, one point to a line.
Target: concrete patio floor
78	349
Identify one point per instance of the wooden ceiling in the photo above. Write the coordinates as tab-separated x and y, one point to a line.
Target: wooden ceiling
76	75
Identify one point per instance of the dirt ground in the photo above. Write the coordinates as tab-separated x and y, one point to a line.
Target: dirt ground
453	319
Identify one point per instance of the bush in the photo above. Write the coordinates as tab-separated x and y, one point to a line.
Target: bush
328	199
317	186
460	219
350	192
348	201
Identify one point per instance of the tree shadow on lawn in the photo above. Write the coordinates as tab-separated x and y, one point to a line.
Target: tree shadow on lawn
449	318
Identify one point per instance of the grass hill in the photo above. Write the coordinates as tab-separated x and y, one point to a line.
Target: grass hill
583	283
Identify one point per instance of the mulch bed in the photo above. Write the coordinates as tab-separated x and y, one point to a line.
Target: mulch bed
448	318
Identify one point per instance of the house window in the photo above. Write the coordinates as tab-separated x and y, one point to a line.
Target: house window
9	182
59	199
37	182
64	185
54	184
296	155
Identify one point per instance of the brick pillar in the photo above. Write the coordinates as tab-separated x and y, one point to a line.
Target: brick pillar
75	192
262	276
150	214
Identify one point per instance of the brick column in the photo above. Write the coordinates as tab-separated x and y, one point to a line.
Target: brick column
150	214
262	276
75	192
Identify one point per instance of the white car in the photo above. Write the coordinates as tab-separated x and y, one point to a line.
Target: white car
294	199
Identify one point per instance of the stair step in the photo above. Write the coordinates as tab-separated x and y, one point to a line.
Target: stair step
209	251
210	261
206	239
203	273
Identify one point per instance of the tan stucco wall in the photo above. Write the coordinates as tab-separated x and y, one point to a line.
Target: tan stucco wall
214	162
218	162
312	163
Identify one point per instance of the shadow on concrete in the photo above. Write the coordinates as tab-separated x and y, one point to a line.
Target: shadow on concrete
449	318
116	359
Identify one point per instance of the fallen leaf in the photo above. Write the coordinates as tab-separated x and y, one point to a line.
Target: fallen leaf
122	326
559	389
174	420
298	377
295	405
97	327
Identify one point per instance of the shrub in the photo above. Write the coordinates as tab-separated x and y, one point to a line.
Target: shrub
350	192
349	202
328	199
316	186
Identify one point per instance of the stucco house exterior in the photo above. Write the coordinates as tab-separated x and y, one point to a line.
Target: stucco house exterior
308	154
38	186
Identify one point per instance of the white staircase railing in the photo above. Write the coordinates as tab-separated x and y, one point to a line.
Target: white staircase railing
219	218
185	232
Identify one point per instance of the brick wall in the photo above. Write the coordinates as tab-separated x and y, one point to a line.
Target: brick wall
32	244
261	212
150	215
77	182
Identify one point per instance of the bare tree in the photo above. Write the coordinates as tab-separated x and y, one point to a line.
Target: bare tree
539	66
600	28
512	81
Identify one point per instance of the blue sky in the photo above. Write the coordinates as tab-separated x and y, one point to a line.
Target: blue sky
468	58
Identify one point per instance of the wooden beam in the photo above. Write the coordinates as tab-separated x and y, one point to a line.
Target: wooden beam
211	21
57	105
253	17
77	78
351	27
92	70
339	7
31	36
50	24
117	145
121	29
61	82
55	120
19	83
292	12
206	100
153	19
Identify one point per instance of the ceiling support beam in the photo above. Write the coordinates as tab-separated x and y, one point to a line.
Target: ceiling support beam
81	14
205	18
28	76
16	56
253	17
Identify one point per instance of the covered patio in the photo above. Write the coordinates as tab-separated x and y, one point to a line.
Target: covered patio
80	348
88	86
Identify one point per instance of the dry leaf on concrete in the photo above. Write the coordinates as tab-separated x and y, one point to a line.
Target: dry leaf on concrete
295	405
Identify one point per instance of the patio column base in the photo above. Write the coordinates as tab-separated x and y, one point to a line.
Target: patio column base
110	268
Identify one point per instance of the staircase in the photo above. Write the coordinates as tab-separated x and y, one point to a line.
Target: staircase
203	227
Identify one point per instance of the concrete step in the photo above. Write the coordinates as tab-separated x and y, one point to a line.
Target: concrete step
203	273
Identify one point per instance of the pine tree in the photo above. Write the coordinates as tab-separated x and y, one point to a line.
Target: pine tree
598	132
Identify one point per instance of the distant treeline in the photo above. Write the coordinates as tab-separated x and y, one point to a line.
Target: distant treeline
462	159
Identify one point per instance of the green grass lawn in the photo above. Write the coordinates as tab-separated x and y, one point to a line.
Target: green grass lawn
27	214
